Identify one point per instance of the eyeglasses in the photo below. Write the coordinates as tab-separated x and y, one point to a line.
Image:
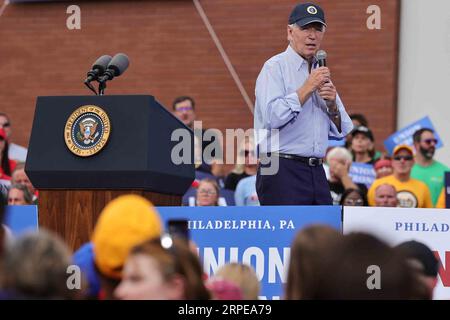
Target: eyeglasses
207	192
5	125
429	141
354	202
184	109
406	158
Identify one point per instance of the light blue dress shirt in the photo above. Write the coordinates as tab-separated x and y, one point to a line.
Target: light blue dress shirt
245	194
282	124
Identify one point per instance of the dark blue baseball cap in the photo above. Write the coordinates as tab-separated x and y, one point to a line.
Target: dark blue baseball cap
306	13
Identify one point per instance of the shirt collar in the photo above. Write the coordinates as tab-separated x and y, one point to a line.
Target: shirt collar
297	59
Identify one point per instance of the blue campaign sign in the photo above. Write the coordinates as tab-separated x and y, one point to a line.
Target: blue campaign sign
259	236
21	218
335	142
404	136
362	173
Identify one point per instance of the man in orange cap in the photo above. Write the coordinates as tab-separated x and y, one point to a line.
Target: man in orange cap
411	193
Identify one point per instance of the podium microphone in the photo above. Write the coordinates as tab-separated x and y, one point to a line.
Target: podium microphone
97	70
116	67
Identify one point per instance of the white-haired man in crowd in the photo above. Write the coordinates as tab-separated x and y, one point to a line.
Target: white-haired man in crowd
339	161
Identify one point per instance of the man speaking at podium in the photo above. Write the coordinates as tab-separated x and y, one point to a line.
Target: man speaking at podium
295	95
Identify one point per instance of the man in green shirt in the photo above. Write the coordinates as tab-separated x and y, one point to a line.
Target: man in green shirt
427	170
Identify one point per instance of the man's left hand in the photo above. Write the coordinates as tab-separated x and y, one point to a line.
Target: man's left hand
328	92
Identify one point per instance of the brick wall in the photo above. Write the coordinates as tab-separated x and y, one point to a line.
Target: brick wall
172	54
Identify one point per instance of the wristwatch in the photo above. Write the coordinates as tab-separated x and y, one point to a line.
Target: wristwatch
333	114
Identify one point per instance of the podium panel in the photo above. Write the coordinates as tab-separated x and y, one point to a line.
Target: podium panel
86	150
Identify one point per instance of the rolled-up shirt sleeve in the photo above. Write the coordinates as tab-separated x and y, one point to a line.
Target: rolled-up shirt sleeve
346	122
274	105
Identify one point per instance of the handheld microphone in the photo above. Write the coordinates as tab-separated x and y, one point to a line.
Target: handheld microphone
116	67
98	68
321	57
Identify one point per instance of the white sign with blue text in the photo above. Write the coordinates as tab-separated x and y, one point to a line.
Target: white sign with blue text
396	225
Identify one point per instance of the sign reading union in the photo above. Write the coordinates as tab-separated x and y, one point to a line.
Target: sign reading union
87	130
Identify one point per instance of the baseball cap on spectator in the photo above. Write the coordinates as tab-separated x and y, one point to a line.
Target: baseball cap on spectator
419	251
382	163
124	222
364	130
402	147
2	134
195	183
306	13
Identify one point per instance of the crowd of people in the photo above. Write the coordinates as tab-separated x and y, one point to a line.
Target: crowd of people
410	177
127	259
130	256
15	186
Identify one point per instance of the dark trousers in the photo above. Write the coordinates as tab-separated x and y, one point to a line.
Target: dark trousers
295	183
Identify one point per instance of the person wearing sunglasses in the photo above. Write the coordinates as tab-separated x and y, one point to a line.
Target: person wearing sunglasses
246	164
426	169
411	193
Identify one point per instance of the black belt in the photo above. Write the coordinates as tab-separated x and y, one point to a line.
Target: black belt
312	162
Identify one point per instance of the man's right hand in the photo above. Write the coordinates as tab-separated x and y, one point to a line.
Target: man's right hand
315	80
318	77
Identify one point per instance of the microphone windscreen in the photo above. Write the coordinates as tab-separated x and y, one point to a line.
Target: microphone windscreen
102	63
119	64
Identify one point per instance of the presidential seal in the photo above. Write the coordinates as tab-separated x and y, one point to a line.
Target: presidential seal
87	130
311	10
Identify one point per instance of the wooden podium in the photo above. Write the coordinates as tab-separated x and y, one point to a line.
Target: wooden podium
135	157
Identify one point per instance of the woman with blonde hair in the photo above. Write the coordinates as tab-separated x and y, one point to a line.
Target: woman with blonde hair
246	164
242	275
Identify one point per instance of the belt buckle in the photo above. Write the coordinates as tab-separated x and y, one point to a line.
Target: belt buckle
313	162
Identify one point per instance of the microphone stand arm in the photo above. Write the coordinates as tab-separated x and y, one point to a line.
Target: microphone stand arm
91	87
101	88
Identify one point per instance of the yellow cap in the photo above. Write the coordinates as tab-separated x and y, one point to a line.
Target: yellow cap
125	222
402	147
